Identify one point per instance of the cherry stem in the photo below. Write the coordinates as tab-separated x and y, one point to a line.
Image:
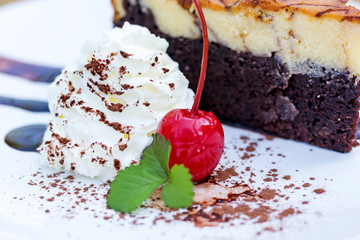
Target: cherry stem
200	87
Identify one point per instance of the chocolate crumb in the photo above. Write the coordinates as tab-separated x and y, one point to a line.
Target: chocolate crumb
122	70
319	191
224	174
125	55
96	67
122	147
251	147
127	86
287	177
287	212
117	164
268	194
247	156
268	179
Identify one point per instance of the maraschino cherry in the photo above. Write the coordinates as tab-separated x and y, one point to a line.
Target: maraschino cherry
196	136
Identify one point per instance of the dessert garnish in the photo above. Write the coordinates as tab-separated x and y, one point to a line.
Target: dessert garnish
135	184
197	143
107	103
196	136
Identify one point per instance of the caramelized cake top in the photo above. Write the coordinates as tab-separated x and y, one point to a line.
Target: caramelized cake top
331	8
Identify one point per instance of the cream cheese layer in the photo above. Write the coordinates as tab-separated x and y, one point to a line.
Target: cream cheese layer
300	40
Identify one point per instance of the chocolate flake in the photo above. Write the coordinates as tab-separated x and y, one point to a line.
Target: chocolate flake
122	147
127	86
319	191
115	107
61	140
122	70
224	174
125	55
64	98
117	164
96	67
165	70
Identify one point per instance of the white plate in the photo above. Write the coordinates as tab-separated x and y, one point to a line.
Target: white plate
49	33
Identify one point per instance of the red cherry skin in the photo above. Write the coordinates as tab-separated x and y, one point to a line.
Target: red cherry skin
196	141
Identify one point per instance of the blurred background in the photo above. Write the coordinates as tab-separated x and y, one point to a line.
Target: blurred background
3	2
50	32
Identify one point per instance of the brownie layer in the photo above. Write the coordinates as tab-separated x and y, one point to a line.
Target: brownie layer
260	92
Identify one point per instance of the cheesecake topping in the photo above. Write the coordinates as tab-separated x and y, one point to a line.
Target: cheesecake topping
298	33
107	103
333	8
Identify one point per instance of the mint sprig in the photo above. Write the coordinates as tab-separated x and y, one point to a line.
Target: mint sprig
134	184
178	193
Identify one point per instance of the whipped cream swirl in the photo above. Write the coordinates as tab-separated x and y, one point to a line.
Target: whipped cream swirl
108	103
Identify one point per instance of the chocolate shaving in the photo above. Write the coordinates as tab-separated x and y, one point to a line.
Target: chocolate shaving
125	55
96	67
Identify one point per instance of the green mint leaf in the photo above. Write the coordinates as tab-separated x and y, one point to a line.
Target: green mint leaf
134	184
131	187
156	156
178	193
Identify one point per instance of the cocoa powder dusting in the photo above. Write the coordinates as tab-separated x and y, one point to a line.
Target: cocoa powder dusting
247	156
125	54
223	197
251	147
223	174
287	177
97	67
287	212
319	191
268	194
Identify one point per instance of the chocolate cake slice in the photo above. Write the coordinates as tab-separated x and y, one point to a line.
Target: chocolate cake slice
290	68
